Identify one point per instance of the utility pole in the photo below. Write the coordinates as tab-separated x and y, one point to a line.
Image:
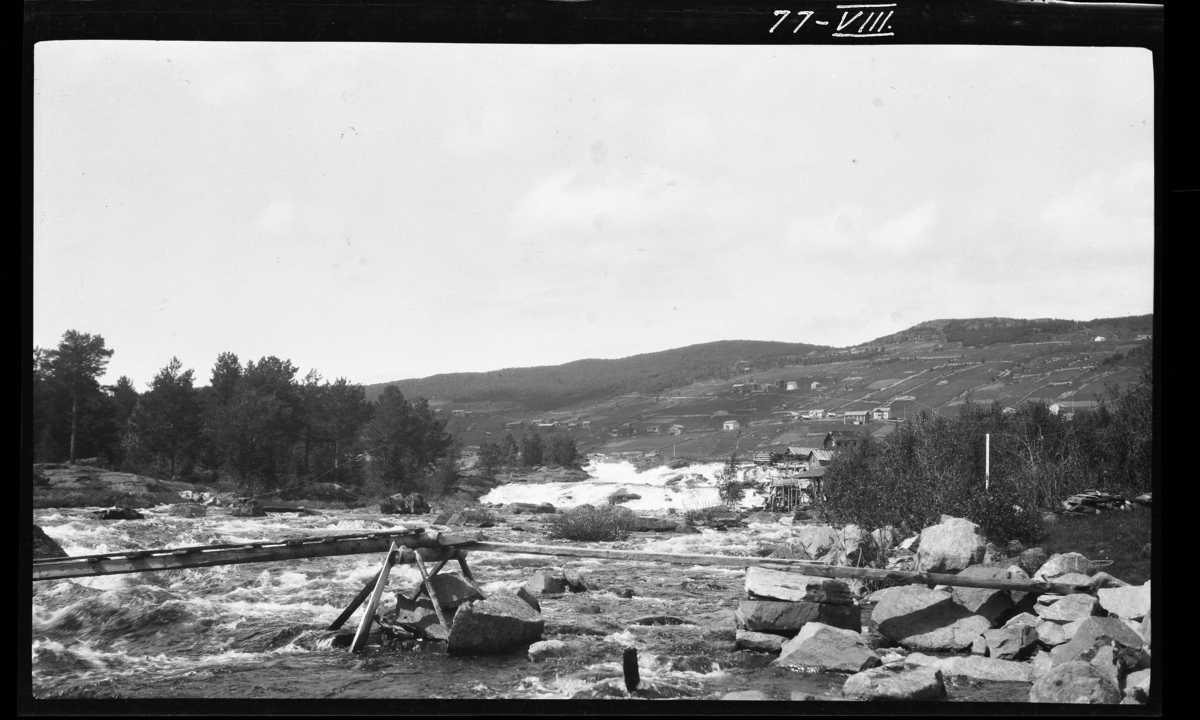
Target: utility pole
987	461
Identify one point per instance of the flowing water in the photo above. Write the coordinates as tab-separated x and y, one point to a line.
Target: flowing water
258	630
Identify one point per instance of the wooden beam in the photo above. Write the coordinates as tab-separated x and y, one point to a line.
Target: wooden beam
817	570
211	556
364	628
437	606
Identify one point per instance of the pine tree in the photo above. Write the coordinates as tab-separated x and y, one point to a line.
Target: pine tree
74	367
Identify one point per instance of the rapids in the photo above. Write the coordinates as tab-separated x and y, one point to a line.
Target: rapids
258	630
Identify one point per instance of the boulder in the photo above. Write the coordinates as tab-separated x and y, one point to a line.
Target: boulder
1074	682
979	646
44	546
517	508
652	524
545	583
818	645
787	618
574	581
766	584
188	510
495	625
1062	563
950	546
758	642
984	601
816	539
1066	608
762	518
248	507
1113	663
122	513
1032	559
1011	643
1041	662
1137	686
976	667
418	613
1126	602
885	684
1023	619
854	547
453	590
621	496
924	619
685	529
1093	632
545	649
1146	631
529	599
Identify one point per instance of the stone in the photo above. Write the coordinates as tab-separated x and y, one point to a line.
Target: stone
546	649
885	684
979	646
1061	564
1146	631
1014	548
248	507
985	601
442	519
924	619
686	529
529	599
533	508
766	584
816	539
456	519
1074	682
1127	602
621	496
650	620
950	546
1051	634
1137	685
911	544
758	642
787	618
746	695
1032	559
495	625
854	548
125	513
1042	662
546	583
829	648
976	667
415	612
453	590
188	510
762	518
1011	643
1067	608
574	581
1110	664
45	546
1023	619
1092	632
1104	580
652	524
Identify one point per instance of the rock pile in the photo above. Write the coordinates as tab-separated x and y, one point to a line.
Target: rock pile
1093	501
783	603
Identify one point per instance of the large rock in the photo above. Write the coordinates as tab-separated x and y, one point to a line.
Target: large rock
122	513
545	649
1074	682
517	508
924	619
1137	686
787	618
950	546
817	540
1032	559
984	601
453	590
248	507
419	613
545	583
44	546
188	510
495	625
758	642
884	684
1126	602
652	524
1011	643
766	584
976	667
1094	632
1061	564
829	648
1067	608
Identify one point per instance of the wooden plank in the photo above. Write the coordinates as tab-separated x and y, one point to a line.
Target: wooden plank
437	606
462	563
113	565
817	570
364	628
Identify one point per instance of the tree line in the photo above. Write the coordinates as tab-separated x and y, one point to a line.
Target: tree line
255	423
932	465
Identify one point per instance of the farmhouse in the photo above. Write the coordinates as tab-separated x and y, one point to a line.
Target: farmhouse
814	386
882	413
654	429
858	417
793	385
819	458
839	439
461	413
676	430
585	424
1099	338
731	425
1068	408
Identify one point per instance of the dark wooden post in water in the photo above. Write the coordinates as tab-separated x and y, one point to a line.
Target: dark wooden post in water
629	667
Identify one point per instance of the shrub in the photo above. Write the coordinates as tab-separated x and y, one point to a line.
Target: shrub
477	514
592	524
705	514
1001	517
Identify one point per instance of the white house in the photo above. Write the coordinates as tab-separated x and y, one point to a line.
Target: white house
857	417
881	413
731	425
814	386
793	385
1099	338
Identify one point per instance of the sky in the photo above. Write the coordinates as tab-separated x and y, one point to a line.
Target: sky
389	211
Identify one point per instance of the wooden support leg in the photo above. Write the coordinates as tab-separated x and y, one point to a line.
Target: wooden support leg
437	606
358	600
364	628
461	557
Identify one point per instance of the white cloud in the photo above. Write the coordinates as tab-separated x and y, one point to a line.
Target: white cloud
903	233
276	219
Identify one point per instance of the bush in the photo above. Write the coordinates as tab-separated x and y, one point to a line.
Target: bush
591	524
999	514
705	514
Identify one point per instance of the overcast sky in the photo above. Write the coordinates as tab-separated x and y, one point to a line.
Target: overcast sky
380	212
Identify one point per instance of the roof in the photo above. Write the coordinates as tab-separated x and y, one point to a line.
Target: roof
1078	404
801	451
856	412
821	455
813	472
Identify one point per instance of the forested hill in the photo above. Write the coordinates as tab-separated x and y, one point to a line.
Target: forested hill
553	386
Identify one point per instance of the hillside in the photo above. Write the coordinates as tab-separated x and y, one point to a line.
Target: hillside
635	404
550	387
